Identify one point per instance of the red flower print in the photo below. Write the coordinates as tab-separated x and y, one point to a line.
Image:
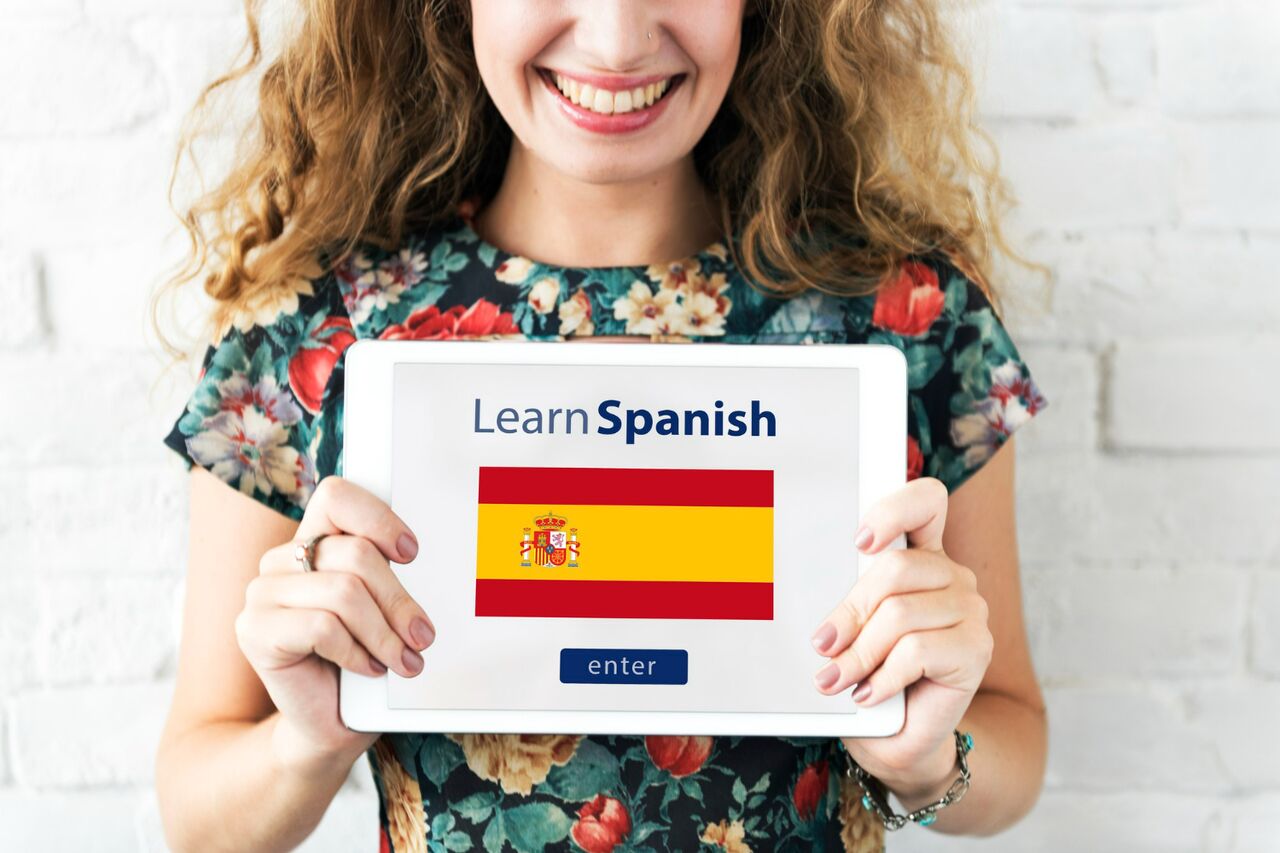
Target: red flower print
810	788
430	324
677	754
911	303
311	366
601	825
915	459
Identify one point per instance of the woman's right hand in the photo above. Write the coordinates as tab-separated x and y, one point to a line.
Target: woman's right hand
298	627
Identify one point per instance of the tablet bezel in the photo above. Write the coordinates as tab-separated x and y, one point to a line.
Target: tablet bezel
369	370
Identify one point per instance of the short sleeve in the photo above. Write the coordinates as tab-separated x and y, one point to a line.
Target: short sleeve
254	417
969	388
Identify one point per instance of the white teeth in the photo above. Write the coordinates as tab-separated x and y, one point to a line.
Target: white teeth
606	102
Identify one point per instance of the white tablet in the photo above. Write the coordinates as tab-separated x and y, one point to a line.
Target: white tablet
623	538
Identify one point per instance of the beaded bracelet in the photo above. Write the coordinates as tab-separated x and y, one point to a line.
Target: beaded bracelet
875	796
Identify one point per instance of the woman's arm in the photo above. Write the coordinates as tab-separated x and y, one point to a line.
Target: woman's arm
1007	715
222	778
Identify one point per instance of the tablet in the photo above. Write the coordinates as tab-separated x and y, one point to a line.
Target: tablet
623	538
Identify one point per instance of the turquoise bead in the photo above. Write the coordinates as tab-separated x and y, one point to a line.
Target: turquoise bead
968	741
866	802
928	819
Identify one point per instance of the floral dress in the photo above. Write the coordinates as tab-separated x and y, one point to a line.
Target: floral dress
266	417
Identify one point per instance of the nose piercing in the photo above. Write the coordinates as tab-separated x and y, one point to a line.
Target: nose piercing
648	35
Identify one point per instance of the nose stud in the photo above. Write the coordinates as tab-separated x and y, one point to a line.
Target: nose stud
648	35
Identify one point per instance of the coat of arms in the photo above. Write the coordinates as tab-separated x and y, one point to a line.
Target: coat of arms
549	543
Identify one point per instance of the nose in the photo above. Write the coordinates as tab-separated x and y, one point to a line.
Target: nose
614	32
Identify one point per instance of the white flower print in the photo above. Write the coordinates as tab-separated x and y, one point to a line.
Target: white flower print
674	276
1011	401
404	268
249	451
575	315
513	270
265	306
543	294
702	316
237	393
647	312
372	288
247	443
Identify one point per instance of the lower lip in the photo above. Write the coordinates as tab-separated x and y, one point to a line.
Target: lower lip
601	123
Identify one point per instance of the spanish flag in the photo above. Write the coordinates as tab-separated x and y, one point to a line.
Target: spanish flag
625	543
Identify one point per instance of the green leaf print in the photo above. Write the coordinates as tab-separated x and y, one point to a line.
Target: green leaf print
207	399
229	356
947	465
809	313
457	841
476	808
261	365
592	770
993	332
531	827
922	424
969	365
439	757
444	261
957	296
495	835
923	361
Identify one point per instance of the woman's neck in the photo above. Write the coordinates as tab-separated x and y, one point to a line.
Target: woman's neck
547	216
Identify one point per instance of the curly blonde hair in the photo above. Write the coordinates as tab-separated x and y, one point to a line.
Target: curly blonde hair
846	142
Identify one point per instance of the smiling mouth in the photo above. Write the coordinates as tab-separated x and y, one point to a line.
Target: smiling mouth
608	101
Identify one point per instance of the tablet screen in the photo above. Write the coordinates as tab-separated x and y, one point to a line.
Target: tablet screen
638	538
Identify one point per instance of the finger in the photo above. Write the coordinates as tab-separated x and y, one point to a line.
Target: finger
340	506
358	556
345	595
918	509
894	572
278	637
897	616
954	657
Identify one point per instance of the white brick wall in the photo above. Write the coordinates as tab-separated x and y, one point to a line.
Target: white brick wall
1141	137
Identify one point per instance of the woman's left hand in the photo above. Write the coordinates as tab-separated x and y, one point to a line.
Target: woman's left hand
914	620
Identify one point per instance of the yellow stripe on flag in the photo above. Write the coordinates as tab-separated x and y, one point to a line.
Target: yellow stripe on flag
654	543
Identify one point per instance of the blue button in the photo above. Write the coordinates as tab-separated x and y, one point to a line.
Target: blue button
624	666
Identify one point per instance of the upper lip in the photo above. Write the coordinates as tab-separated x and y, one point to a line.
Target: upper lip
611	83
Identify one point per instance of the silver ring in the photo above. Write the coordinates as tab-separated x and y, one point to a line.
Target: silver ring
305	552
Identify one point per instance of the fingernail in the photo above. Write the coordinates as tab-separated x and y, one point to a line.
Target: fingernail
412	661
421	632
827	676
863	691
824	636
376	666
864	537
408	546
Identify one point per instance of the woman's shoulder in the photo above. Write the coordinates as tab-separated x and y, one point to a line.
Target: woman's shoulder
258	415
968	386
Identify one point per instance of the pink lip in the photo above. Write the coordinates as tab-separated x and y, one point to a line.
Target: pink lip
600	123
612	84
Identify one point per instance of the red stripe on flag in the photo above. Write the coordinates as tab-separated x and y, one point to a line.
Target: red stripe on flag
624	599
626	486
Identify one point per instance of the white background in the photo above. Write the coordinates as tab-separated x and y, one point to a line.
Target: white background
1140	137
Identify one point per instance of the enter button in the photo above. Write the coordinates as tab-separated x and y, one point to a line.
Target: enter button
624	666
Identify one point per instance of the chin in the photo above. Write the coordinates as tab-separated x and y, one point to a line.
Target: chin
603	168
